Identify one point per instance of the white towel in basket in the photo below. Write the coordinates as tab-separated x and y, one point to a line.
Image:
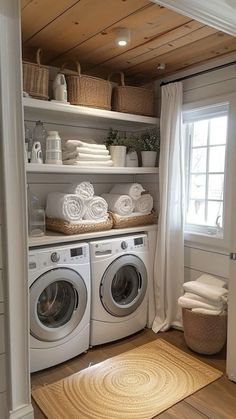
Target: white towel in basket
119	204
211	280
206	311
213	293
144	204
134	190
84	190
96	208
67	207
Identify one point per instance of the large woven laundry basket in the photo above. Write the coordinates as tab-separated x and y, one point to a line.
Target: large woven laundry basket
86	90
132	99
204	333
36	78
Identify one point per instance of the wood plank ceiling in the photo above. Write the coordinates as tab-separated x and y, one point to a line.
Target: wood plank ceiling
85	30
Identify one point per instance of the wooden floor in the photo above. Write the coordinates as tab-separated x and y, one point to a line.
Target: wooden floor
216	401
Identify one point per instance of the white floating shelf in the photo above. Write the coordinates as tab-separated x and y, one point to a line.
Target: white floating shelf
53	168
53	112
55	238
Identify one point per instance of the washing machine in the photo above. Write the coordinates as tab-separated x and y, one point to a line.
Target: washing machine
60	297
119	278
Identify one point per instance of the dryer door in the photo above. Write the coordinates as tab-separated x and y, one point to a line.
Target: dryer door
58	300
124	285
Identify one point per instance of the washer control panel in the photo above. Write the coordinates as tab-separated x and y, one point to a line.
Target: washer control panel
51	257
125	244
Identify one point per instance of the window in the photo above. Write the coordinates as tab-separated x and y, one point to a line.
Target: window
205	140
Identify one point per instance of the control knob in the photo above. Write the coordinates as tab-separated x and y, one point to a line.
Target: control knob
124	245
55	257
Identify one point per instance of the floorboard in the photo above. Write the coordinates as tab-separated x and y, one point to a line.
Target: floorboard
216	401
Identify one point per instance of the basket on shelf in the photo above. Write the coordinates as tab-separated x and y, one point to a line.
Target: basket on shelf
204	333
87	90
36	78
131	99
65	227
134	220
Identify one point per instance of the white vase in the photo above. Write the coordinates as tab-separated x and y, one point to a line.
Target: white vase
131	159
118	153
149	158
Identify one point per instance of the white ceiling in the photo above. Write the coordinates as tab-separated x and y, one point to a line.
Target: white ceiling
220	14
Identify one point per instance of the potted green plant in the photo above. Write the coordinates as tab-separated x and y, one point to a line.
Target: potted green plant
132	146
115	142
150	147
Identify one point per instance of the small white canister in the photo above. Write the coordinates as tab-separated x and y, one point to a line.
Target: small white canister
53	148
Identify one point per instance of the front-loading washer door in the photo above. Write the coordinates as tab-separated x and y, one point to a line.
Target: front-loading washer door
58	301
124	285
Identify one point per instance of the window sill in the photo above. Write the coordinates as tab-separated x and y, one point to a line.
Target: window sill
203	241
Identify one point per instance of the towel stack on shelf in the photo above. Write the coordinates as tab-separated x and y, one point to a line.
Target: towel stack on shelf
206	295
83	154
128	200
80	205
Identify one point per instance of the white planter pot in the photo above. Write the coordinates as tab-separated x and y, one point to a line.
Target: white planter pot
118	153
131	159
149	158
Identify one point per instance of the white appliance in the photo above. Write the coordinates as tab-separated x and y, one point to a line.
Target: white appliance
119	276
60	296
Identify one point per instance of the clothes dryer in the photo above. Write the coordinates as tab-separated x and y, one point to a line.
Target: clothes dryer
59	292
119	272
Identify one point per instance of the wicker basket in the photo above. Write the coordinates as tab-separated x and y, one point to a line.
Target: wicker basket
133	221
131	99
65	227
204	333
87	90
36	78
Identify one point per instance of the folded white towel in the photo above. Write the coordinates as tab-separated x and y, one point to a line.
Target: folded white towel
95	208
72	144
96	151
134	190
84	190
217	304
205	311
89	163
144	204
189	303
211	280
92	157
211	292
119	204
67	207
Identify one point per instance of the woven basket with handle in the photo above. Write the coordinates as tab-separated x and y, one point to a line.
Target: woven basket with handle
131	99
133	221
86	90
204	333
36	78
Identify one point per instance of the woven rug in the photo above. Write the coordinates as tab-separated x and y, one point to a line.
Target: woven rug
138	384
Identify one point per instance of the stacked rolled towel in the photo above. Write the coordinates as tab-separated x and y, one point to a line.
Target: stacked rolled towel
134	190
206	295
119	204
68	207
84	190
80	153
144	204
96	209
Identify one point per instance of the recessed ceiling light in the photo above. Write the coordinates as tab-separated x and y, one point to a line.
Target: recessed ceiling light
122	37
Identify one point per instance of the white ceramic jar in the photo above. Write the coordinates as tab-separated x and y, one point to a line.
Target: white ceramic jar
53	148
118	154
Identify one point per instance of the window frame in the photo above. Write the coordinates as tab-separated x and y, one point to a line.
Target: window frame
200	236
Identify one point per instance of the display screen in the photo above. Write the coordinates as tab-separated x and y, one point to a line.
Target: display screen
78	251
138	241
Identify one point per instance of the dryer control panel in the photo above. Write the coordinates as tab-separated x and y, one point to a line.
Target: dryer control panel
124	244
72	255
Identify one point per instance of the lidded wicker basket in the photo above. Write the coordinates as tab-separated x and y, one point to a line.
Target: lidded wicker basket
86	90
36	78
131	99
204	333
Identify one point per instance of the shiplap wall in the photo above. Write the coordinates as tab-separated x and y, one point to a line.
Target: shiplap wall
199	259
2	329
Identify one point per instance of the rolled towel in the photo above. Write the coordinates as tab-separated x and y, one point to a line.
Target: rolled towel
189	303
144	204
212	293
205	311
88	163
97	151
93	157
120	204
67	207
84	190
134	190
211	280
95	208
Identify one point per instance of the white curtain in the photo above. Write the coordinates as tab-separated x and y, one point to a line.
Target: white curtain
169	257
